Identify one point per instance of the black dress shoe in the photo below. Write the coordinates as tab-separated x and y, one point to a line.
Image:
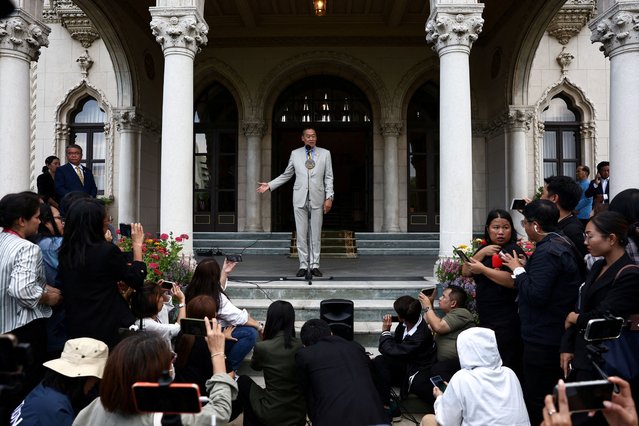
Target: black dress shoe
316	272
301	273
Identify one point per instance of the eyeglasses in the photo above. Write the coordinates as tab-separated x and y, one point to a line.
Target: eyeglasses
590	236
524	222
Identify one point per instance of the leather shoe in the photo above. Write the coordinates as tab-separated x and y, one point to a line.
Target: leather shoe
301	273
316	272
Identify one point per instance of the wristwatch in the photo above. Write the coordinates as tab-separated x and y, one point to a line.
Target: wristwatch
517	271
181	305
426	309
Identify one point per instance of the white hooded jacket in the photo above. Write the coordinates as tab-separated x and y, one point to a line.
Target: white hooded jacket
483	392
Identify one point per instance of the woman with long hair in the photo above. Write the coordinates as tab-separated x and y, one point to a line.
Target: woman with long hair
495	288
282	402
46	181
49	239
25	298
147	303
209	280
90	269
146	357
610	288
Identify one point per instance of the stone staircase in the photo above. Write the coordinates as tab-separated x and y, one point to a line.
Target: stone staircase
333	243
373	298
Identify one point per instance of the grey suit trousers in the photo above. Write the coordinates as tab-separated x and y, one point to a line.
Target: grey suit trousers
304	235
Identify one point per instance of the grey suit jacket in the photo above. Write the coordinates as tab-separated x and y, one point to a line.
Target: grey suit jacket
321	177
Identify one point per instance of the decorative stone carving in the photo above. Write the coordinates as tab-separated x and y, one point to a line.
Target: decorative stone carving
130	119
85	63
519	117
391	128
179	27
617	27
570	19
450	25
564	59
20	32
75	21
254	128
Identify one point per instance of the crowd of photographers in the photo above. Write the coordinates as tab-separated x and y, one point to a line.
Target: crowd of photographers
64	292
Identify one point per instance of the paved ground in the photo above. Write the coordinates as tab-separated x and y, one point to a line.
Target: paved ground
369	267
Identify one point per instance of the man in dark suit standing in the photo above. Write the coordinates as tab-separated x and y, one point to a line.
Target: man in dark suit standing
336	379
599	188
312	194
73	176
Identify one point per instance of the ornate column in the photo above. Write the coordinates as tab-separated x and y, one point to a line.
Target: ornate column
181	31
127	122
253	130
390	131
618	30
518	123
452	29
21	36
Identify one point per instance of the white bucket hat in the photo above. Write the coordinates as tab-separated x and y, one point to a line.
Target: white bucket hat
80	358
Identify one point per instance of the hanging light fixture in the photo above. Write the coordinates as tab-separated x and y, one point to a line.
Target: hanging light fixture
320	7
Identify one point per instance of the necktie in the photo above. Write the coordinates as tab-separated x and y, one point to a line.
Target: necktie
78	171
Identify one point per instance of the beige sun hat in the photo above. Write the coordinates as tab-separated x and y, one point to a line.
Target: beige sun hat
80	358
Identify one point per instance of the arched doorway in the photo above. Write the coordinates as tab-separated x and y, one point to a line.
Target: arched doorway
341	114
423	159
215	151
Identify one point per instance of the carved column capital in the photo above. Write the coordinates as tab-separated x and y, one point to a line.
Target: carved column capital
519	117
129	119
20	32
182	27
617	28
391	128
253	128
454	25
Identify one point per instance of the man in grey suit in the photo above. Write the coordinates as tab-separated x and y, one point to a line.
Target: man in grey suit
312	193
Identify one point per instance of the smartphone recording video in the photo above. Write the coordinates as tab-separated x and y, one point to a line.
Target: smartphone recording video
603	329
517	204
438	382
167	285
234	257
125	230
194	326
462	256
174	398
428	291
587	396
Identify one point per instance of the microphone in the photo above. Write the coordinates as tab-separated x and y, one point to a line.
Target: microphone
308	148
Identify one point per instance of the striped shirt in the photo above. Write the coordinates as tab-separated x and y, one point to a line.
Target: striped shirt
22	283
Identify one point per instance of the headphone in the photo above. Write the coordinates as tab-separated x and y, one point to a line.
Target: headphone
536	229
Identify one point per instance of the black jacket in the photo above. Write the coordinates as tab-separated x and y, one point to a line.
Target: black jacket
336	379
548	290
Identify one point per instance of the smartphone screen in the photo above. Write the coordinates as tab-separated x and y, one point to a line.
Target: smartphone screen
194	326
462	256
125	230
603	329
518	204
174	398
587	396
167	285
438	382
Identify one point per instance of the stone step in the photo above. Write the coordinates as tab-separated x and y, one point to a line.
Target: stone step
398	251
348	288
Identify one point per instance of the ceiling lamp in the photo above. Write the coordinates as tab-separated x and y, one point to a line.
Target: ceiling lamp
320	7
